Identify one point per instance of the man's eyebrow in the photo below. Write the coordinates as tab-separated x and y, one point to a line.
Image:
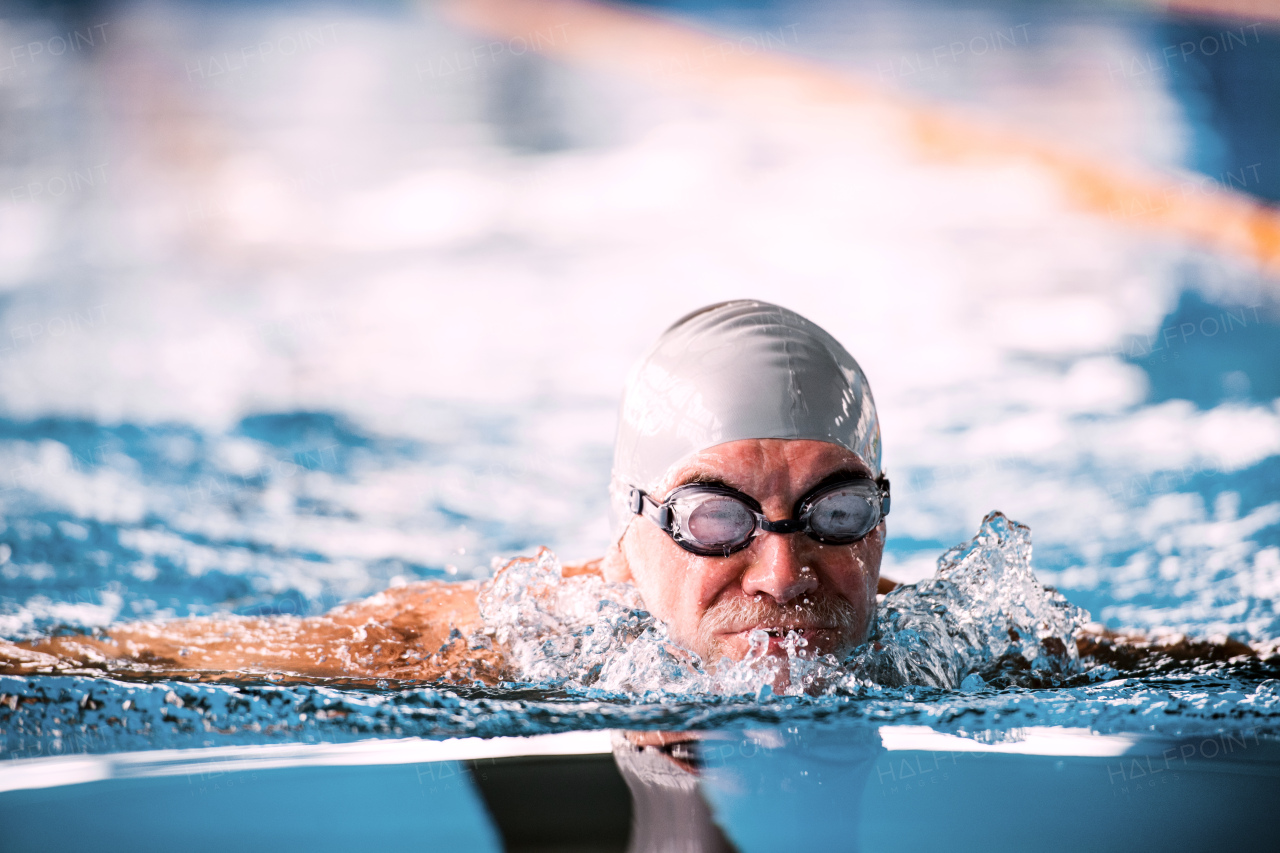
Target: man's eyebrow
703	478
843	475
706	478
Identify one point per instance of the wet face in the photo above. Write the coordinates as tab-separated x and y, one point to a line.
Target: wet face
781	582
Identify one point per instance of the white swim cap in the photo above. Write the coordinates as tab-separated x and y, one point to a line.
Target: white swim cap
731	371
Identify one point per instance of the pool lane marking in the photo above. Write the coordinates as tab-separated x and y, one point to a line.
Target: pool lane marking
639	44
52	772
1255	10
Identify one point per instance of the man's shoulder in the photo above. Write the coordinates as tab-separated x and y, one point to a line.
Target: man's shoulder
587	567
432	601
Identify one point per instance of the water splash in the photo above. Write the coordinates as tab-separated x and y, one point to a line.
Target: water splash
60	715
983	618
982	614
580	631
592	657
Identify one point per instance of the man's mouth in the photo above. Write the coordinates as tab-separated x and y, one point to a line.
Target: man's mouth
824	625
814	639
782	631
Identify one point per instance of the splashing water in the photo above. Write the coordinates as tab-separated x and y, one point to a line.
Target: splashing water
983	614
581	631
592	658
983	617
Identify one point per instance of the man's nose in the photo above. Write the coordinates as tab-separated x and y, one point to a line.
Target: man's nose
776	570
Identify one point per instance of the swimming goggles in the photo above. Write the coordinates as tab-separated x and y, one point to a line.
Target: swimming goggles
716	521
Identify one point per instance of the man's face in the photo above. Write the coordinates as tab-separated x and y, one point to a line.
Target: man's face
827	593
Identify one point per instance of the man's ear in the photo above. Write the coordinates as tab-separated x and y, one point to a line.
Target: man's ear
614	566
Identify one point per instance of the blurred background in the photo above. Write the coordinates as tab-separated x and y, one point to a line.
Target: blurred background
303	299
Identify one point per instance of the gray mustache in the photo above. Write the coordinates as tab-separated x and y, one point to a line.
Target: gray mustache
824	610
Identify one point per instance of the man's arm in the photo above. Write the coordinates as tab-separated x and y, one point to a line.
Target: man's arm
401	633
1137	652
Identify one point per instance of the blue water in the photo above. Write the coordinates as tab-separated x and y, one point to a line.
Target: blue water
333	322
213	809
793	787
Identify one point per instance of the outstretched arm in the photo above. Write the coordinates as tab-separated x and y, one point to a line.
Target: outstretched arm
430	631
1133	652
404	632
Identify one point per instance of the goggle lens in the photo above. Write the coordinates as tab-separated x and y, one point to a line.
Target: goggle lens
842	515
710	520
716	521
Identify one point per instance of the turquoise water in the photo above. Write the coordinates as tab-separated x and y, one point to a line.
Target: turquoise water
791	787
345	319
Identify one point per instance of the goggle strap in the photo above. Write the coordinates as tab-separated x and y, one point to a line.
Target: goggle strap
659	515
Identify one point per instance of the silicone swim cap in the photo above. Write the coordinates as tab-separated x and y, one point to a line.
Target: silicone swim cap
732	371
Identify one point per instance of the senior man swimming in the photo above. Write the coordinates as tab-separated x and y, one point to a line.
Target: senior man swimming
747	492
747	495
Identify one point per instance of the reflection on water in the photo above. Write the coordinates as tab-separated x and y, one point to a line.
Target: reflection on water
818	777
797	788
838	785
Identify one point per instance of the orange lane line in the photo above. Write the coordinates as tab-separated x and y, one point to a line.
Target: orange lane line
630	42
1255	10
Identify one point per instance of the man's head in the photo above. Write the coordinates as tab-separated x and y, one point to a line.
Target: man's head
753	398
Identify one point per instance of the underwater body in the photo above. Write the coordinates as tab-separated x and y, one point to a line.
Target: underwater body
195	426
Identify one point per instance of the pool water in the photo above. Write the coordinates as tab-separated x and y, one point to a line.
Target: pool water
358	316
796	786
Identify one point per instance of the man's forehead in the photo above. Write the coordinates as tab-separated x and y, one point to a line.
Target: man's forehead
743	467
